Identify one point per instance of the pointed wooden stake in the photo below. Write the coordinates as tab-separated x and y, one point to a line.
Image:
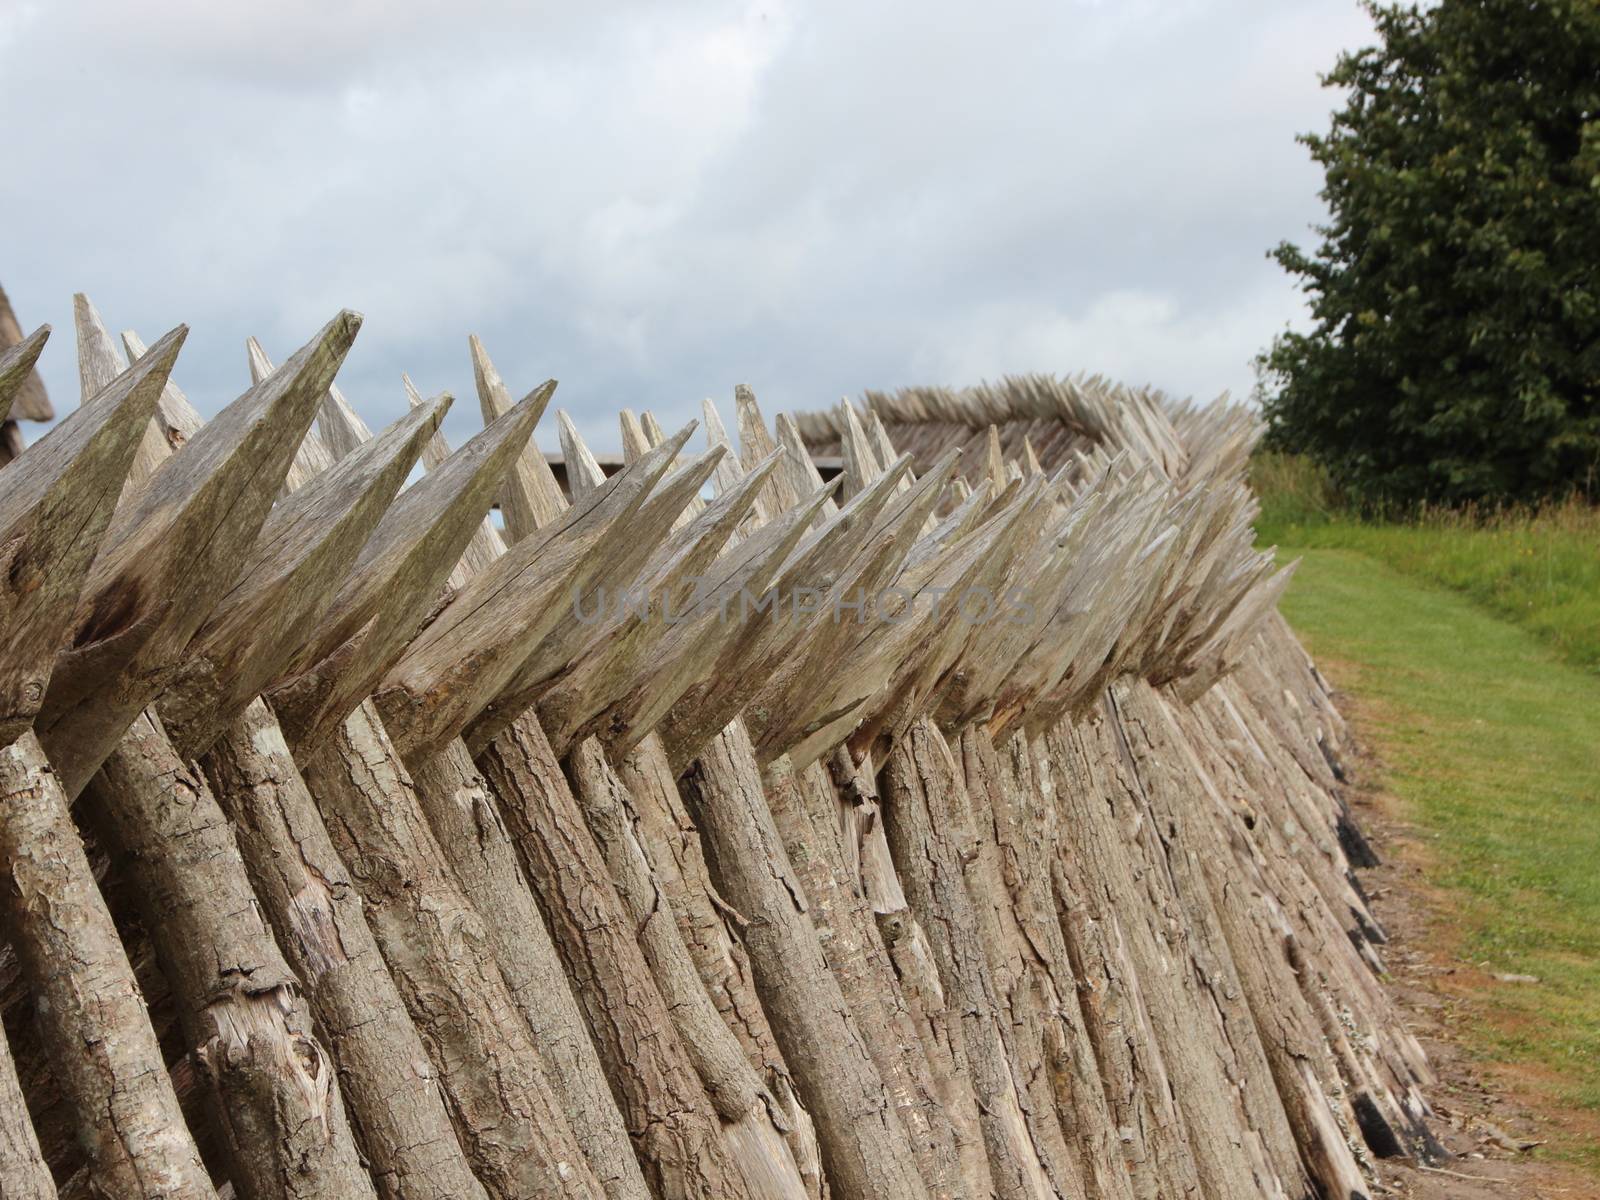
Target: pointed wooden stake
297	566
487	543
16	367
176	419
99	362
56	501
586	642
627	653
584	473
173	552
467	655
530	499
31	403
341	427
802	471
312	458
397	577
635	442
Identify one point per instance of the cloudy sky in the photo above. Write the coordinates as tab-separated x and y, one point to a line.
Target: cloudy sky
654	201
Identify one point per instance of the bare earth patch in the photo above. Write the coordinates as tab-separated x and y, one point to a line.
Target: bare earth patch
1493	1117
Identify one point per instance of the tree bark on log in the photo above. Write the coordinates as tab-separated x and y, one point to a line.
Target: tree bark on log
675	1129
1172	839
1015	834
248	1028
935	1106
865	1150
389	1086
89	1011
706	923
1201	1068
922	820
439	955
22	1165
1298	1060
1377	1059
755	1118
468	824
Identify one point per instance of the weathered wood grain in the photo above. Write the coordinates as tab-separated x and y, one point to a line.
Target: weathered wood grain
293	573
171	554
396	579
56	503
89	1012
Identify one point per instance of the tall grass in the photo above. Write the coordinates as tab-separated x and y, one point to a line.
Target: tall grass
1538	567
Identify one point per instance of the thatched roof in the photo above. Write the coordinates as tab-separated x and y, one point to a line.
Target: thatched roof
1059	418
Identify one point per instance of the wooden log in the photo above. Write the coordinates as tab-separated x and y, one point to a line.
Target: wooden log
920	811
395	581
708	927
1297	1060
1199	1062
761	1129
1012	829
293	573
392	1091
55	505
863	1140
247	1026
676	1133
172	553
730	1080
1377	1059
396	1104
89	1012
935	1106
22	1163
466	818
437	948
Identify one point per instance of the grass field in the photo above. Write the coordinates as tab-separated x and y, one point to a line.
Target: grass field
1487	705
1540	569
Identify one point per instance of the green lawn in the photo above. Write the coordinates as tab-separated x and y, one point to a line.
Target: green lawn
1538	568
1491	739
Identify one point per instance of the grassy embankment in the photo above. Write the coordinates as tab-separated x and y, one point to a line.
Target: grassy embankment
1473	647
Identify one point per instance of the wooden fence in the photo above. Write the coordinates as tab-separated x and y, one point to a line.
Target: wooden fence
968	826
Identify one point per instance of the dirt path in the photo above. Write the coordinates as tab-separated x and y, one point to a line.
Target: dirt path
1493	1126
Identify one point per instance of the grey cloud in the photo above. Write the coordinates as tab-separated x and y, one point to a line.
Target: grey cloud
654	202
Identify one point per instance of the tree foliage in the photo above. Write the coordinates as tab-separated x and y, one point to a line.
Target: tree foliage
1456	291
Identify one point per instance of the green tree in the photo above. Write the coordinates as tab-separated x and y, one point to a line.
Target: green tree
1455	354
